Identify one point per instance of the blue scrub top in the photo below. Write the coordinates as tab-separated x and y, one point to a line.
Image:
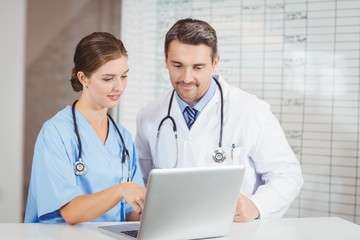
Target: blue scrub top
53	182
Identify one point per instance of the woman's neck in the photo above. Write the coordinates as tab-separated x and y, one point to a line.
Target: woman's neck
97	118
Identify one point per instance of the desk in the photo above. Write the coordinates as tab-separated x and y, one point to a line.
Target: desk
285	228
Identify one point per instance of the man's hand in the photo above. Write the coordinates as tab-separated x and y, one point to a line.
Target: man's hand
245	210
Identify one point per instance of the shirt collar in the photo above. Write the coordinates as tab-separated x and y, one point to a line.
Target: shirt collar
199	106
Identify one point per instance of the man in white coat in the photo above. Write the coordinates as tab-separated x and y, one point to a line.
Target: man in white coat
216	124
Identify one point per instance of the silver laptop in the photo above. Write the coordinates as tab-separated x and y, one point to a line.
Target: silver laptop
185	203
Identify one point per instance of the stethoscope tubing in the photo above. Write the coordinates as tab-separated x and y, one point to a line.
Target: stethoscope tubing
219	155
79	166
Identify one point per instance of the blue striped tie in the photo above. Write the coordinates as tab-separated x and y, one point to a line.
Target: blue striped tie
192	112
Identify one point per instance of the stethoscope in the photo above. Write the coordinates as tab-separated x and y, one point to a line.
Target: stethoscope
79	166
218	156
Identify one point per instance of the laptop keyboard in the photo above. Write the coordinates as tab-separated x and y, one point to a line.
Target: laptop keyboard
132	233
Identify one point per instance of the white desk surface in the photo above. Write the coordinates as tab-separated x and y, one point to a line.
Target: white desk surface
285	228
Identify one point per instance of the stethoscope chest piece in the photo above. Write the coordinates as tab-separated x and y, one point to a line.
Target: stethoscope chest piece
219	155
79	168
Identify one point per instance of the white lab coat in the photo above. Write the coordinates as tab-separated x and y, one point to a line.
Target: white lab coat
272	178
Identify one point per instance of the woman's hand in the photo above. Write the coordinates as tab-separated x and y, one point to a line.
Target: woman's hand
134	195
87	207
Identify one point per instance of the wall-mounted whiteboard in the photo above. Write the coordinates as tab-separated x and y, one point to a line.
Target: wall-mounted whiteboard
303	57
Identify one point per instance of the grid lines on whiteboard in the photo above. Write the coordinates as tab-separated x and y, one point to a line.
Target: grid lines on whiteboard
302	57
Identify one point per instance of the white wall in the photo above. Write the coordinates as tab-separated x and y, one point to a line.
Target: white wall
12	42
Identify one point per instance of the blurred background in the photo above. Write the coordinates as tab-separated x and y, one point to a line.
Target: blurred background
38	40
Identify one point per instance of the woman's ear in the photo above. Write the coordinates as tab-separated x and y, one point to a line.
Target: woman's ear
83	79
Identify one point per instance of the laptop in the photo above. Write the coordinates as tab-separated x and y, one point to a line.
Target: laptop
185	203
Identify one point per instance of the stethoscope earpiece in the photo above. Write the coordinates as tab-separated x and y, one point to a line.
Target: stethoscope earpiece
219	155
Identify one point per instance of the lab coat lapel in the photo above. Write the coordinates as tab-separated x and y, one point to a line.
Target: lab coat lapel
206	116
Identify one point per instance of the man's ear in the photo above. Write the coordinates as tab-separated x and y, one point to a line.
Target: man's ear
165	57
216	60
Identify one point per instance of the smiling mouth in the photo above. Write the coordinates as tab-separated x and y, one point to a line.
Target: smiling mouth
186	85
114	97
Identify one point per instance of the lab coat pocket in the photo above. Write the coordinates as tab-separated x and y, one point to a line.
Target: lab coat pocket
235	155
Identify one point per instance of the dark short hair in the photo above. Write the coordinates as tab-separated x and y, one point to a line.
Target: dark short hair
193	32
92	52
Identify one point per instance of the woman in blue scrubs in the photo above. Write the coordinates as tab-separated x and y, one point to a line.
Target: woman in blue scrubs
85	167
